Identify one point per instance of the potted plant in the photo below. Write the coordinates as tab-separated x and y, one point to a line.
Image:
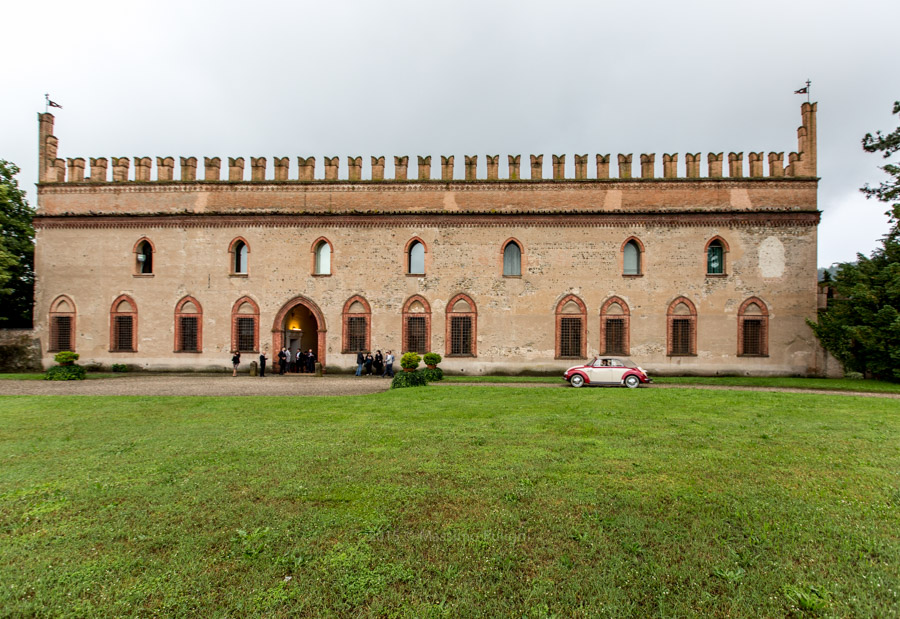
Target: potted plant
432	359
410	361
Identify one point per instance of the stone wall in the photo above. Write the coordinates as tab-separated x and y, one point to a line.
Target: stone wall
20	350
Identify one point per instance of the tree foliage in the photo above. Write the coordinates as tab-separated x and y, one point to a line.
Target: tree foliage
861	326
16	251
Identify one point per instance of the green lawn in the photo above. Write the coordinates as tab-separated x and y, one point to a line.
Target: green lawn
452	502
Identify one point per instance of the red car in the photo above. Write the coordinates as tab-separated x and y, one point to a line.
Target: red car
607	371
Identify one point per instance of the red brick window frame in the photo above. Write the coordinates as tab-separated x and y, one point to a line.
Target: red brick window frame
62	324
242	332
357	311
507	267
461	337
615	327
629	269
681	328
144	252
318	267
239	257
123	317
707	268
408	258
416	324
188	325
753	328
571	337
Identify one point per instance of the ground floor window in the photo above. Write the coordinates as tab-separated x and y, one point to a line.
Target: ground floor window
416	335
681	336
570	337
124	334
460	335
246	334
356	334
615	336
189	340
61	333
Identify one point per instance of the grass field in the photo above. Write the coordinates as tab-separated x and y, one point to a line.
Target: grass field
452	502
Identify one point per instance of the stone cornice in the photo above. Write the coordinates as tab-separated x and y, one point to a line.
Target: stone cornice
341	186
565	219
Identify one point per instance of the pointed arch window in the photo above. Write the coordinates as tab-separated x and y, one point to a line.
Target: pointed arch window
62	324
632	257
753	328
716	251
415	257
245	325
357	320
681	319
512	259
462	327
615	327
240	257
188	326
322	257
123	325
571	328
416	325
143	255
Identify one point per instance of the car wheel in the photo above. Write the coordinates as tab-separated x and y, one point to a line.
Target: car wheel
577	380
632	381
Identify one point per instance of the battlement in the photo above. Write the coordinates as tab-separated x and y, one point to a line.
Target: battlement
53	169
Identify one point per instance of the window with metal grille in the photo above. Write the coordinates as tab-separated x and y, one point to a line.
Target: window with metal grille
752	336
570	337
189	340
681	336
615	336
460	335
715	259
61	333
415	334
246	336
124	334
356	334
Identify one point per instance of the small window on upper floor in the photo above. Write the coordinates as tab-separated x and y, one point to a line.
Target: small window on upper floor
240	255
416	263
631	258
144	256
323	258
715	258
512	260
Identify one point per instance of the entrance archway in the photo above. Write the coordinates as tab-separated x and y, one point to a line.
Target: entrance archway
300	325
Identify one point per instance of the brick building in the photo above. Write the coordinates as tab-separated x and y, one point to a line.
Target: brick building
699	269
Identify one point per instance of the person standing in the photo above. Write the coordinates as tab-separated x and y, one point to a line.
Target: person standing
360	360
369	362
282	362
235	361
379	363
298	361
388	365
263	355
311	361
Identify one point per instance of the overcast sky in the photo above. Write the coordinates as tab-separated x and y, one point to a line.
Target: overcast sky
238	78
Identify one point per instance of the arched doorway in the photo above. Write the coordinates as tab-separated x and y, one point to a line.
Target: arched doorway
299	325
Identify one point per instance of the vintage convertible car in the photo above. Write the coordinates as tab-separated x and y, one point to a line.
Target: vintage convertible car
607	371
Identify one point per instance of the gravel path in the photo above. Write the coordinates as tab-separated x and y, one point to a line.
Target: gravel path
199	384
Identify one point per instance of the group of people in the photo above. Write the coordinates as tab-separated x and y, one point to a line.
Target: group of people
377	365
302	362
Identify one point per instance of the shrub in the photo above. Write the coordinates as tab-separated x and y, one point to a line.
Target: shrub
409	379
410	361
119	367
433	375
66	357
65	372
432	358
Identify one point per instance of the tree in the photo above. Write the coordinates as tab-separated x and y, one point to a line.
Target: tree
861	326
16	251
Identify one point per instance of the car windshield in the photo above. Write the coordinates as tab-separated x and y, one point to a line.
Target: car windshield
600	362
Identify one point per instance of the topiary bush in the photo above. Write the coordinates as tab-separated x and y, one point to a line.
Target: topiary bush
66	357
65	372
433	375
432	358
409	379
410	361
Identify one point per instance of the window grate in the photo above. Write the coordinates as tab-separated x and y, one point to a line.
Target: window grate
124	334
189	336
356	334
461	335
570	337
681	336
752	337
246	336
415	335
61	333
615	336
